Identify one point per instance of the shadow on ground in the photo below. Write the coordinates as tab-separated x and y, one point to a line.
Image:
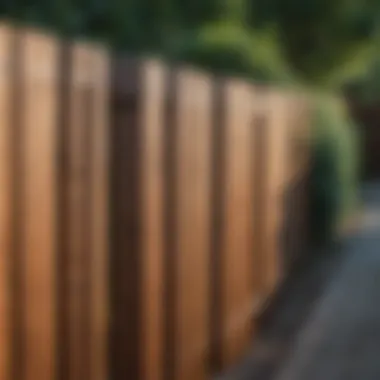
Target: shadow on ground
279	326
325	324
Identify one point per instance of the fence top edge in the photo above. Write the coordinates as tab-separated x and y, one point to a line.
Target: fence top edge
6	27
125	65
96	47
45	34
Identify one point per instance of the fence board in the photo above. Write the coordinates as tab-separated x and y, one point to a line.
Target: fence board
192	176
260	148
6	201
152	238
236	282
99	168
273	191
75	188
38	228
138	221
84	228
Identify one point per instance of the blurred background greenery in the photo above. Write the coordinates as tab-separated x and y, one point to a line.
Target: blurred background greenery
330	48
322	43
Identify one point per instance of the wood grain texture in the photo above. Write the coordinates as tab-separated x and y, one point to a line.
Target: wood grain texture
125	258
152	221
273	191
193	226
259	148
76	184
100	250
38	231
260	151
236	289
138	221
6	201
84	216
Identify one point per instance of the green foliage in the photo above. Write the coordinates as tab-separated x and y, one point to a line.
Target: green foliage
321	36
367	87
226	47
319	42
335	172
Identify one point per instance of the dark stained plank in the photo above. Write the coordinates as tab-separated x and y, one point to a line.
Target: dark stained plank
137	263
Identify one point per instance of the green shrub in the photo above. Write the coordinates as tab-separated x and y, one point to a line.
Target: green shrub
334	179
228	48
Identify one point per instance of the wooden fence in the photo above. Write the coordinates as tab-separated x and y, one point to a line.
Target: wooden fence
54	244
203	169
142	212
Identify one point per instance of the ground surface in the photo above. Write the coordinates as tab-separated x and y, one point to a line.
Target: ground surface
326	325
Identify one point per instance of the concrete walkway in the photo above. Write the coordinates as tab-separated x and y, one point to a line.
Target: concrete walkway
342	339
338	337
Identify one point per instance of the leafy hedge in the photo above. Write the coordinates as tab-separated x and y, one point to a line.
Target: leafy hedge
335	171
231	49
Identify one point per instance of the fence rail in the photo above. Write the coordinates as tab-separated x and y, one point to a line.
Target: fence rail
142	212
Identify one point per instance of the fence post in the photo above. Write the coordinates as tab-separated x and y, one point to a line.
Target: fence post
235	285
6	201
137	257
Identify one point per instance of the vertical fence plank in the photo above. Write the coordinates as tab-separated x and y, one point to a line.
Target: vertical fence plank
152	223
6	200
218	193
192	251
272	214
38	199
260	149
138	221
99	166
170	223
236	281
125	259
262	172
84	215
75	185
